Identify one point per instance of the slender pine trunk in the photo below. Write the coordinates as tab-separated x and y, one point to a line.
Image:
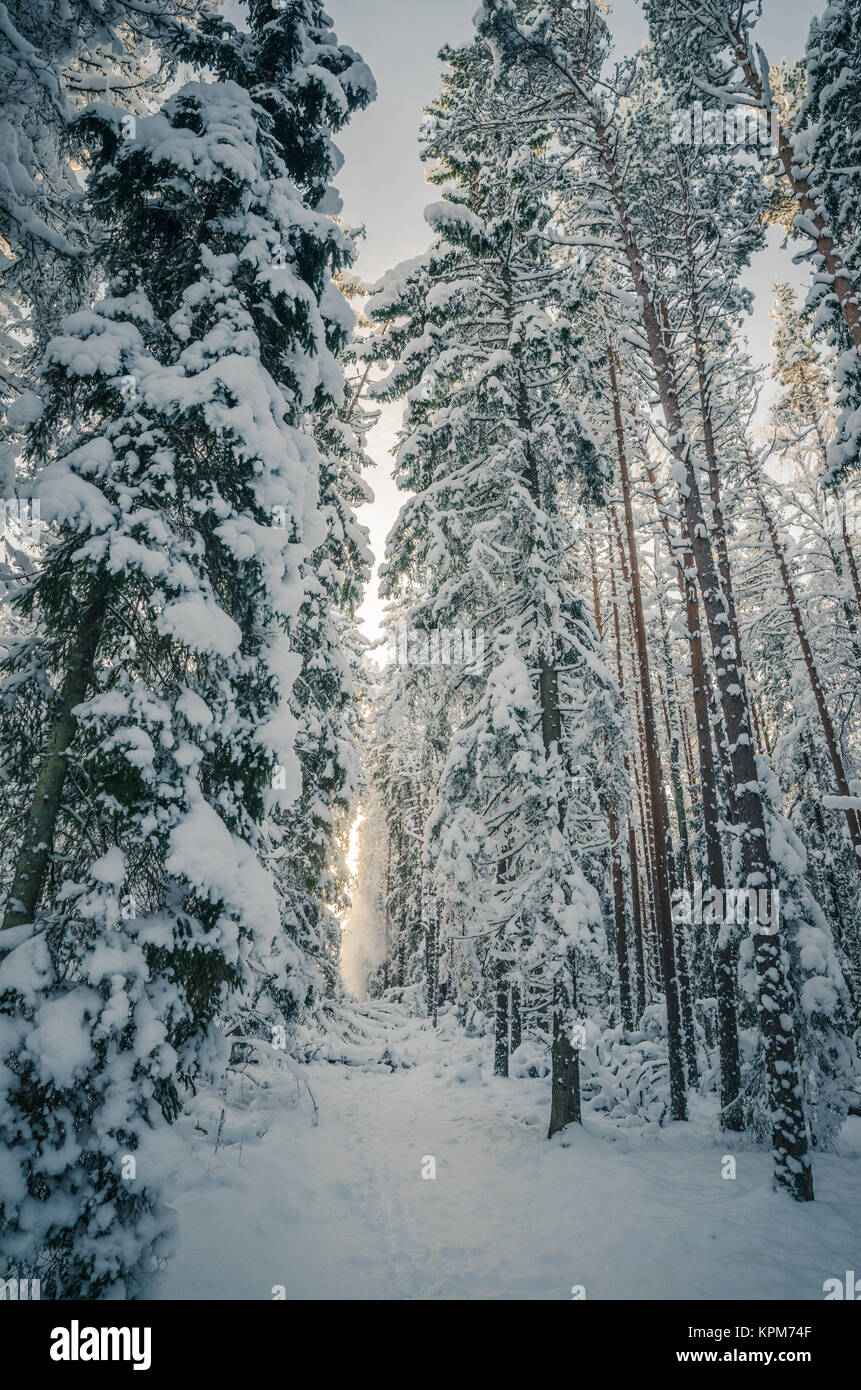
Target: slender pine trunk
724	954
654	778
618	878
37	842
516	1030
809	205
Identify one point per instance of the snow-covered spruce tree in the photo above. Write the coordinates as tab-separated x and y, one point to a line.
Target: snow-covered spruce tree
54	60
308	841
327	82
183	483
493	445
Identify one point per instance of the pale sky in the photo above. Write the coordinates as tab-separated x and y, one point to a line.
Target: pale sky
382	182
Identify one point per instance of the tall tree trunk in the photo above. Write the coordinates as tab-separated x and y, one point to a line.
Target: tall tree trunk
641	792
621	931
500	1033
689	755
500	1041
723	953
670	708
565	1062
432	962
638	919
429	915
636	909
853	563
40	827
436	960
661	883
516	1019
620	925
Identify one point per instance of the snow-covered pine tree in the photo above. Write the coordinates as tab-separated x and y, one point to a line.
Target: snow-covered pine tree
802	417
797	754
485	330
828	139
564	51
826	729
711	49
182	479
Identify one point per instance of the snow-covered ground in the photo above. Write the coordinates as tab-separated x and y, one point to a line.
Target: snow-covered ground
332	1203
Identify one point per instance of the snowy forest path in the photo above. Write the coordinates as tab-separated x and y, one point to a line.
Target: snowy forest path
333	1204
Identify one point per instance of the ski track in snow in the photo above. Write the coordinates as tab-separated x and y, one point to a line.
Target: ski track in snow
339	1209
